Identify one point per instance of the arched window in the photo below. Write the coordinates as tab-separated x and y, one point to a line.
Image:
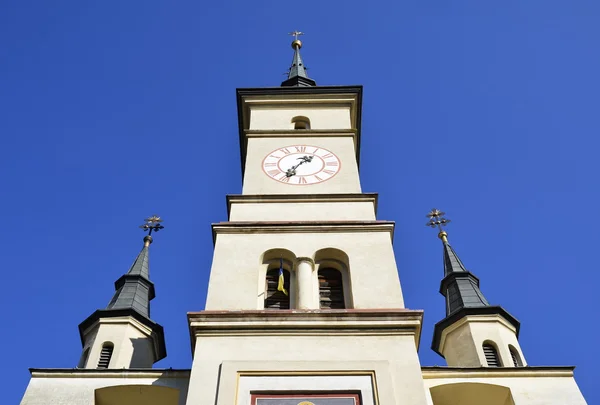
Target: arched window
105	355
301	122
331	289
514	354
83	359
491	355
275	299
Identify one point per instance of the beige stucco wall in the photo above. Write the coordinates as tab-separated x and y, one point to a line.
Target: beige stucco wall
307	353
534	388
133	347
77	388
325	116
257	182
462	342
237	273
302	211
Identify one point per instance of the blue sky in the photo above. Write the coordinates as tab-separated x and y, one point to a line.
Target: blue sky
112	111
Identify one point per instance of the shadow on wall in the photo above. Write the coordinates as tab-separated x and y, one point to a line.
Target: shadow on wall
136	395
169	389
142	356
471	394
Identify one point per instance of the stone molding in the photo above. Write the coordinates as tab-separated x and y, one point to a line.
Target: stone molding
300	198
344	322
248	227
153	373
435	372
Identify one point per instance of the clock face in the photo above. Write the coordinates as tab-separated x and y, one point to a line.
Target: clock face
301	165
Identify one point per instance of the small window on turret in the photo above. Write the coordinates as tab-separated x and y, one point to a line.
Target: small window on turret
301	122
514	354
491	355
105	355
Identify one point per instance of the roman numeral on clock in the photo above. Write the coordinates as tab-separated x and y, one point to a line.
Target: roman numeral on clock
273	173
334	163
285	150
301	180
300	149
284	179
329	172
270	164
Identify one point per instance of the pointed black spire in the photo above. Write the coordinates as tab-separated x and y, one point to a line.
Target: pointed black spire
297	76
460	287
134	289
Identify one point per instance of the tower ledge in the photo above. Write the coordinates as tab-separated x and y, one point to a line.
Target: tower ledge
353	322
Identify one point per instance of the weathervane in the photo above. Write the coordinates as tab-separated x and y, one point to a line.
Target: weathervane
296	34
436	219
152	224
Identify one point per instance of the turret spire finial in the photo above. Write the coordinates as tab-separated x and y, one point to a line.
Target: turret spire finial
436	219
152	224
297	76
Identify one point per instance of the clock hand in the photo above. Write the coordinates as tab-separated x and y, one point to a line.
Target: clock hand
292	170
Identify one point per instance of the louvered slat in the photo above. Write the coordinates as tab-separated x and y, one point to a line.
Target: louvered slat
105	356
515	357
491	355
331	289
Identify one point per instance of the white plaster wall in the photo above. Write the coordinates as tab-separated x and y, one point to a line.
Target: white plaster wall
527	390
463	344
498	333
79	389
316	353
256	180
132	347
306	211
320	116
234	279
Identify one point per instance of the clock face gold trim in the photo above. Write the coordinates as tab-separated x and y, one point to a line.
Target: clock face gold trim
301	165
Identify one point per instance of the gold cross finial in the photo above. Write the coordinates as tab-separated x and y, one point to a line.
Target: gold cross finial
152	224
436	219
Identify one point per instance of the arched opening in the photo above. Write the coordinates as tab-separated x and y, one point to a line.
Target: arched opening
84	358
136	395
301	122
275	275
491	355
277	287
514	355
333	273
471	394
331	289
105	355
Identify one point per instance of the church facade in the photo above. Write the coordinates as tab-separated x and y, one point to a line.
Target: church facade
293	314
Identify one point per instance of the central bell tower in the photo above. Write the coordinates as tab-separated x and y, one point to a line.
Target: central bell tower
304	299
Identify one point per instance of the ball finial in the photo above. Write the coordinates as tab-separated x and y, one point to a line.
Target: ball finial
296	44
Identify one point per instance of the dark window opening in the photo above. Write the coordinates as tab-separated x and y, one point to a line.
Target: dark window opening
331	289
275	299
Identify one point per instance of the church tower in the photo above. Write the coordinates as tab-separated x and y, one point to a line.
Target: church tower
304	299
122	335
473	333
